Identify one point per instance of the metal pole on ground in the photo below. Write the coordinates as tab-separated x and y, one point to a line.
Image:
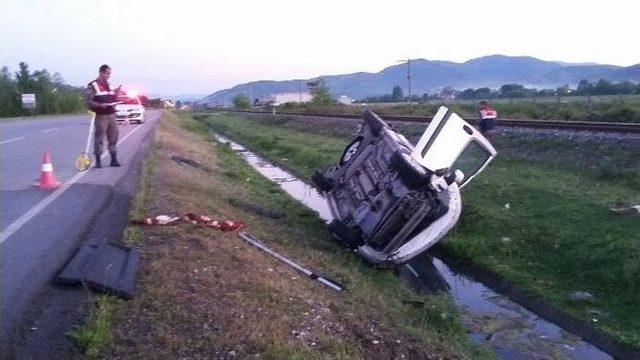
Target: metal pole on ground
321	279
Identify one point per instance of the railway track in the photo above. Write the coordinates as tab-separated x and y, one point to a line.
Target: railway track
539	124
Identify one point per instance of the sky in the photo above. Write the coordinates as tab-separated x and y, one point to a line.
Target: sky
198	47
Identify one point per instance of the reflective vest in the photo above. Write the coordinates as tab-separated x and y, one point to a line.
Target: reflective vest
103	94
488	113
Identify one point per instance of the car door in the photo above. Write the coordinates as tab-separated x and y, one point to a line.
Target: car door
450	144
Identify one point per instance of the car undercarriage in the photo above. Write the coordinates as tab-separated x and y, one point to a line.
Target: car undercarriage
391	200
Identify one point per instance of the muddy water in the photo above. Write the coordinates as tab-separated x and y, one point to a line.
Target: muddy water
293	186
512	331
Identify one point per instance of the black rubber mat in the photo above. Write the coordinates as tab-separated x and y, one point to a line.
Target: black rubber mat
73	273
113	270
106	268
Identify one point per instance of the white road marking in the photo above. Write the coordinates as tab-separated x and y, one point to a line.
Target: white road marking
49	130
11	140
19	222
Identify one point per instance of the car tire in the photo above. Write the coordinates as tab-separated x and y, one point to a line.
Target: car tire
373	121
351	150
346	235
411	173
321	181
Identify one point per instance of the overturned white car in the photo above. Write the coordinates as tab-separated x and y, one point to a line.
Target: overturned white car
391	200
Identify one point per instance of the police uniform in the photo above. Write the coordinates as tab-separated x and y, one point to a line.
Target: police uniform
99	92
487	118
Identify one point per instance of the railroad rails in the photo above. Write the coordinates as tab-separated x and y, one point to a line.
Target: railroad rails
539	124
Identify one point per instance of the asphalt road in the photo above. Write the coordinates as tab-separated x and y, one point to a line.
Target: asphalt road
42	229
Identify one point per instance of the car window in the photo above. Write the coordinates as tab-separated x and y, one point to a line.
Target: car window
129	101
472	159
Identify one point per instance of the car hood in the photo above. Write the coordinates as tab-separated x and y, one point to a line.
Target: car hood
129	108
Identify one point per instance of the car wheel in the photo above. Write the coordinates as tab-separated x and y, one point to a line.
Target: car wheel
412	174
346	235
373	121
323	183
351	150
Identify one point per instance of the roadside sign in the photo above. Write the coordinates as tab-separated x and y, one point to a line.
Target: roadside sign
28	101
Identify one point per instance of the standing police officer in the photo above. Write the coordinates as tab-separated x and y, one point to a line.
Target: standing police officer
100	99
488	117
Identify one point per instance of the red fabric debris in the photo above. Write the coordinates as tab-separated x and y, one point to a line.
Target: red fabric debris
202	220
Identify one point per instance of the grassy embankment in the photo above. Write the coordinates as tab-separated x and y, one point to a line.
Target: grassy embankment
97	332
556	236
611	108
207	294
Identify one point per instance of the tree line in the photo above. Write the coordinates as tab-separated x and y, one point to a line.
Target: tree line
53	96
584	88
320	96
512	91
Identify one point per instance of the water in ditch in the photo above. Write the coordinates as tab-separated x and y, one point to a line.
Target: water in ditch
490	318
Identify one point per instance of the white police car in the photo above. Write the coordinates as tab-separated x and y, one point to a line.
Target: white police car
130	109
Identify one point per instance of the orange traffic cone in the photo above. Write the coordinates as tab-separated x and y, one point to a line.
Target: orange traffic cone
47	179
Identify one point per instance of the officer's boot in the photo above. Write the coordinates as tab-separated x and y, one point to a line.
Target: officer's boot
114	159
98	162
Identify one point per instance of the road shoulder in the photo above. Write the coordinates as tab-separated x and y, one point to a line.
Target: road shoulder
55	311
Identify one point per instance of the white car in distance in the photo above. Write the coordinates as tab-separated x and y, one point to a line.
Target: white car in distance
130	109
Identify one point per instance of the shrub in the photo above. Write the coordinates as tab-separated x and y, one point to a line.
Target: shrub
241	101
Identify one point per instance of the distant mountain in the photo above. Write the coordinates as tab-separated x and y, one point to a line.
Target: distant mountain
186	97
181	97
432	75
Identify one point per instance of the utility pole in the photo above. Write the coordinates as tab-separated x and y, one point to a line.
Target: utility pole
409	81
409	84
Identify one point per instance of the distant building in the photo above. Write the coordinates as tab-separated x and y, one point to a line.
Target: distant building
345	100
279	99
448	93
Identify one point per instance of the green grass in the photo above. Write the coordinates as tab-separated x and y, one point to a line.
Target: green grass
557	235
547	99
608	108
96	332
436	324
141	200
283	144
373	295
